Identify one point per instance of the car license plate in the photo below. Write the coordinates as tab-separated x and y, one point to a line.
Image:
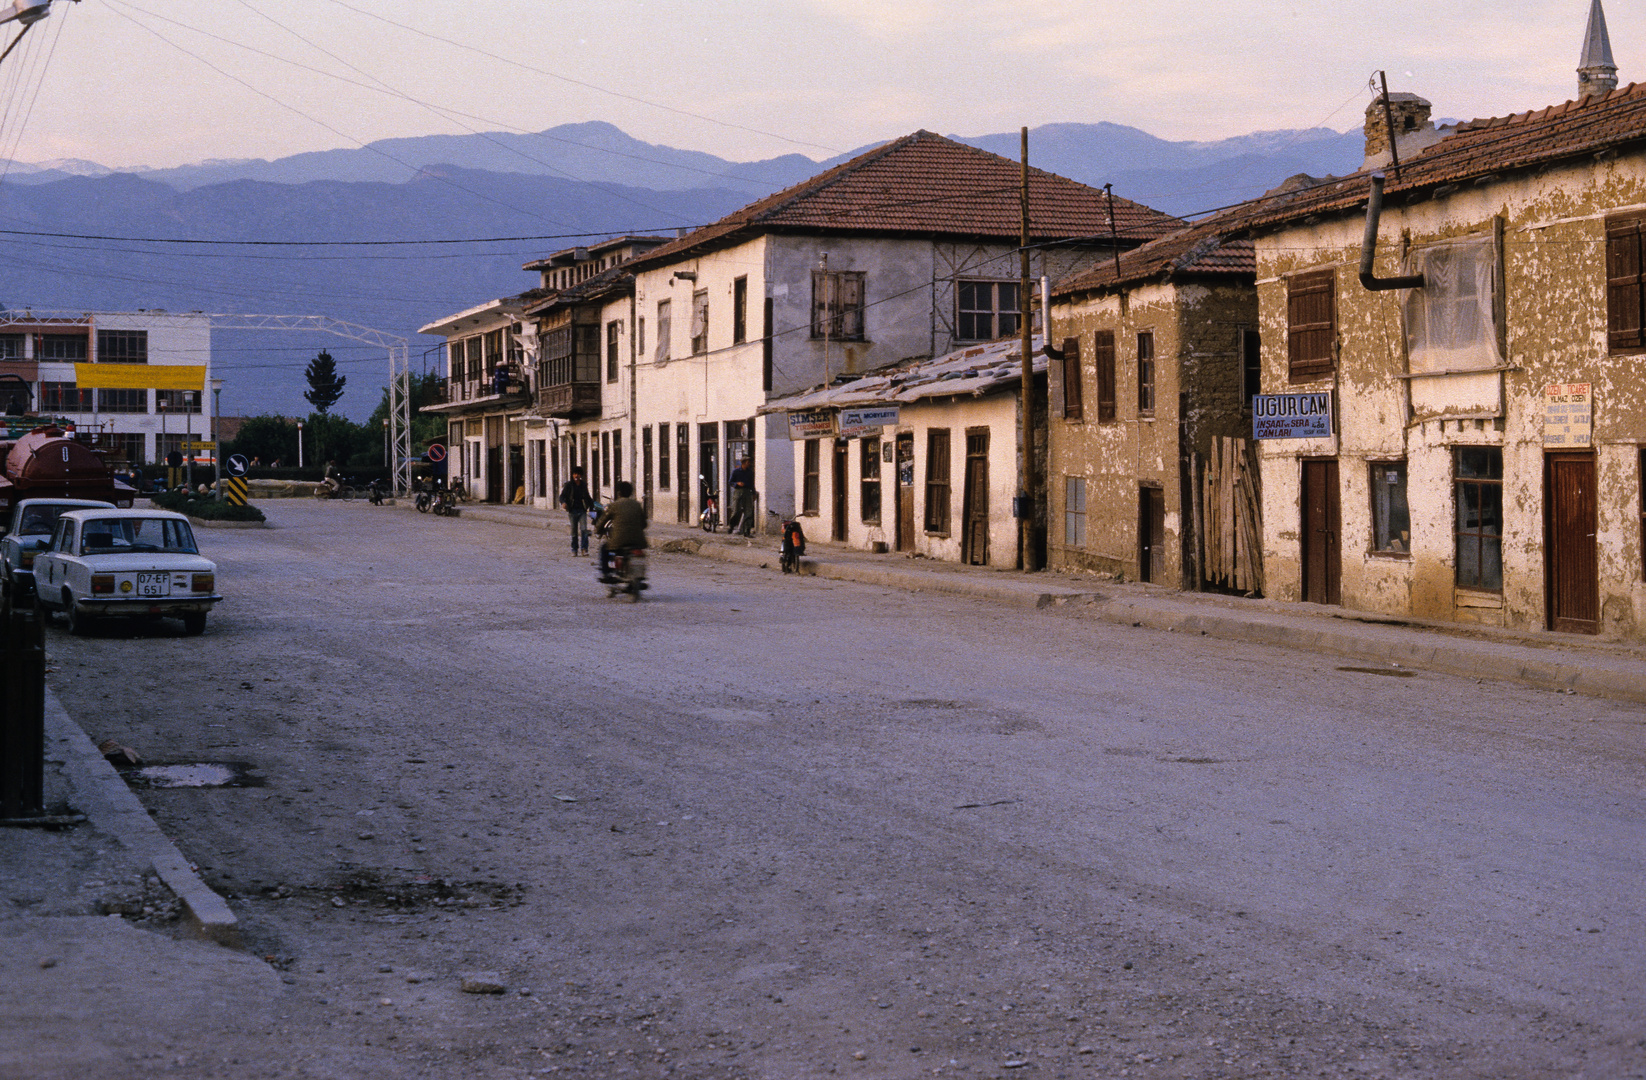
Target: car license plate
153	584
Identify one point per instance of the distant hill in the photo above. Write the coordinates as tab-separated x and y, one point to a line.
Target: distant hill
573	179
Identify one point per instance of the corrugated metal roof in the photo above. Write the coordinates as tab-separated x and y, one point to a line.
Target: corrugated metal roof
974	371
927	185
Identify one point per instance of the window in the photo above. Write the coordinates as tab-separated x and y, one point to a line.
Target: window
586	353
986	310
11	346
663	331
605	459
1103	360
766	345
58	397
811	496
663	456
700	322
1073	406
1251	363
614	332
1391	519
179	401
640	337
617	455
1480	518
123	401
1311	325
1145	373
1451	323
837	304
870	451
471	349
71	347
1625	283
1074	511
740	311
123	346
937	481
1643	513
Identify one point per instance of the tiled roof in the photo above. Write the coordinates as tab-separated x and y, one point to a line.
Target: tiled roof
973	371
1474	151
1202	249
619	278
924	184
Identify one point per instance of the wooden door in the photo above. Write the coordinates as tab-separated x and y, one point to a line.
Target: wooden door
974	536
842	459
1322	542
1151	534
683	474
905	491
1572	557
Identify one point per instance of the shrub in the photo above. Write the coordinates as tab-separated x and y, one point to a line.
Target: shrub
205	507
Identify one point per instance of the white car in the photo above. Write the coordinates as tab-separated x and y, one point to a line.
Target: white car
31	526
125	564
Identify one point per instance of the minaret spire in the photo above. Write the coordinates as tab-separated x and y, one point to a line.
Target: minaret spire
1596	73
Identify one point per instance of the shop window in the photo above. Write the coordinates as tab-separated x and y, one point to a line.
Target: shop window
1391	519
1311	325
1479	482
1074	511
869	450
937	481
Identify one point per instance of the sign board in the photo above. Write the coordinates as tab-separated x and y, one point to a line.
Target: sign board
195	444
811	424
436	452
855	423
234	490
1568	414
237	464
140	376
1292	416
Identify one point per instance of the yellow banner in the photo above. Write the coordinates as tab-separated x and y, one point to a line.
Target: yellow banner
140	377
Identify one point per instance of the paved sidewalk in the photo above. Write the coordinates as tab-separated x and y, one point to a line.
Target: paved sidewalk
1545	660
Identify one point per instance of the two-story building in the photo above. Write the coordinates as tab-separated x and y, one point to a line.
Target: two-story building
907	251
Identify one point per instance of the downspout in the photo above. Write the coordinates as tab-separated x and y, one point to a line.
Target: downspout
1368	247
1046	349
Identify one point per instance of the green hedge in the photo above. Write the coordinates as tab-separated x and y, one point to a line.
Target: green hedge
207	509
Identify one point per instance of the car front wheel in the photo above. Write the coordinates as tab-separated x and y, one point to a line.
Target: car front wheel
79	621
194	623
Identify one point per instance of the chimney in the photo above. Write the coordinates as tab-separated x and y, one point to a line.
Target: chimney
1596	73
1413	128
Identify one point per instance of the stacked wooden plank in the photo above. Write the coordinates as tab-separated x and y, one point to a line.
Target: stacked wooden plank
1230	545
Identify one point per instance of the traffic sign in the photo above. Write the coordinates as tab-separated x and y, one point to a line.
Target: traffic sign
196	445
237	465
436	452
234	490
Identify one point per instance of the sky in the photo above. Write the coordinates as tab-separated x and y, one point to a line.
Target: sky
158	83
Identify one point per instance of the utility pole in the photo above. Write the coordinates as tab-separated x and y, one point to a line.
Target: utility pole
1027	496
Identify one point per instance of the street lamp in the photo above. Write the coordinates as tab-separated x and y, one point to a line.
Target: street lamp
165	460
190	397
217	432
300	444
26	12
386	462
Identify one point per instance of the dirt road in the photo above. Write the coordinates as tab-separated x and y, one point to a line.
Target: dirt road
768	827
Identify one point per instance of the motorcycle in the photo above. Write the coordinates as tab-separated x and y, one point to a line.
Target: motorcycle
377	492
628	573
334	488
793	546
445	503
710	517
425	498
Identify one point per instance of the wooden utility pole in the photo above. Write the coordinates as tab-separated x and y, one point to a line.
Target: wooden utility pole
1030	488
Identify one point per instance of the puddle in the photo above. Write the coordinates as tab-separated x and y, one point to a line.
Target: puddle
193	774
1399	673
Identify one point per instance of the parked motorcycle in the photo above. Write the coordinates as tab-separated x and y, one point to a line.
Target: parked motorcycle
628	573
425	497
377	492
710	517
792	547
444	503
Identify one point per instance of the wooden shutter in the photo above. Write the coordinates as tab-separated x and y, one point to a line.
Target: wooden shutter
1103	360
1311	305
1625	303
1073	405
849	306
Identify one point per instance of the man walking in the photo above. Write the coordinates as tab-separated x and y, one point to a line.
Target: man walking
576	500
742	509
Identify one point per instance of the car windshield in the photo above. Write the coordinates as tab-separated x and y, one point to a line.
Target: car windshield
102	536
40	520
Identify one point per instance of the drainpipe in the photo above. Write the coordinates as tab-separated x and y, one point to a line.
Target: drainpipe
1046	321
1368	247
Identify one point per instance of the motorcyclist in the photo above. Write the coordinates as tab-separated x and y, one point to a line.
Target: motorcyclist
622	525
332	479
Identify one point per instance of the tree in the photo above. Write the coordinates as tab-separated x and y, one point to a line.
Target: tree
425	428
325	384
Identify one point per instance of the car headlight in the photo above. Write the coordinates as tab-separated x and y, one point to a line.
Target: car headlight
205	582
102	583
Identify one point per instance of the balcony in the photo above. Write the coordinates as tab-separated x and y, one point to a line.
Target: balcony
503	383
568	389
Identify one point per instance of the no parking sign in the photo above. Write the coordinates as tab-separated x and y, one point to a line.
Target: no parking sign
436	452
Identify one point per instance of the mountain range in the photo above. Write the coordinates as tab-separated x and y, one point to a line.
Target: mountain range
553	190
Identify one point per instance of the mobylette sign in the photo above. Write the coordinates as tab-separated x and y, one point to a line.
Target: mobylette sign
856	423
1292	416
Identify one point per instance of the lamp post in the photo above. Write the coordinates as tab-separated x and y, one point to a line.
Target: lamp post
190	397
26	12
300	444
386	462
217	432
160	451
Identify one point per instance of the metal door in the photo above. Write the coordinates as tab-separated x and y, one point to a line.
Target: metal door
1572	557
974	513
1322	544
842	457
905	491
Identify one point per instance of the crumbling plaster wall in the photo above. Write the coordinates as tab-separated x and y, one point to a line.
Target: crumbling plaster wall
1197	356
1554	302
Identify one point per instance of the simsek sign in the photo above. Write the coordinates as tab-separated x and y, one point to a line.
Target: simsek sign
1292	416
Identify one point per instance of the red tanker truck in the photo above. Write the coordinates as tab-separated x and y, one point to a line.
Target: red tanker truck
49	463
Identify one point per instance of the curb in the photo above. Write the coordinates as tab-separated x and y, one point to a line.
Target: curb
108	803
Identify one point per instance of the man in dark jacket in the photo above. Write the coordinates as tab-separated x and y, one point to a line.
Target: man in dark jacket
742	508
576	501
622	523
